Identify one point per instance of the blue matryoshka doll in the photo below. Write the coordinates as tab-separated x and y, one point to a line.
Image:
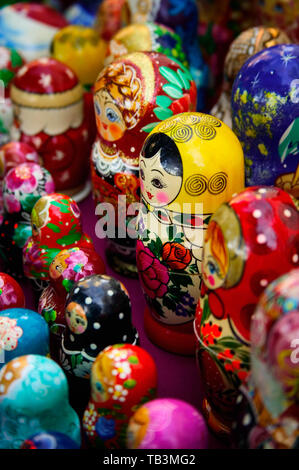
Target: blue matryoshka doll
34	397
22	331
265	112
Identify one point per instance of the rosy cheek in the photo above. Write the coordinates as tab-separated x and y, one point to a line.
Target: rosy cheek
162	197
80	328
115	131
211	280
141	185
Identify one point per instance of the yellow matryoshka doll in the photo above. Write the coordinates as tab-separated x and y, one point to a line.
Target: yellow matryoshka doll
189	165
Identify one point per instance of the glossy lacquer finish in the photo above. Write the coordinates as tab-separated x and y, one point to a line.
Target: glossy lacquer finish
167	423
56	224
265	117
11	294
123	378
249	242
97	314
34	397
269	403
131	96
49	115
22	332
189	165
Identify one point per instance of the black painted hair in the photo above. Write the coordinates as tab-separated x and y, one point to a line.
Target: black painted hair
169	156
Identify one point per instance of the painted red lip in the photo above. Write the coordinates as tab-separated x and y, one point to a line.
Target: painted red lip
105	126
150	195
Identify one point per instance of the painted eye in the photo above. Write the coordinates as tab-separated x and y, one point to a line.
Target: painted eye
111	115
142	174
34	227
98	108
212	267
157	183
99	386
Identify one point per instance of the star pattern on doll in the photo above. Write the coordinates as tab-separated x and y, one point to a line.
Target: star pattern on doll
256	80
45	80
286	57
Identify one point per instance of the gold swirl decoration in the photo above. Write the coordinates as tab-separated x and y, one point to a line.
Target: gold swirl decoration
167	125
181	133
205	131
197	184
207	119
190	119
217	183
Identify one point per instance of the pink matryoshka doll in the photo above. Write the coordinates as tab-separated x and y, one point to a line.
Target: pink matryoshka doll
11	294
56	224
11	155
131	96
123	377
250	241
167	423
49	115
268	407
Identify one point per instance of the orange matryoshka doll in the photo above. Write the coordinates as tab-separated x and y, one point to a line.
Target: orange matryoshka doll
189	165
123	377
131	96
249	242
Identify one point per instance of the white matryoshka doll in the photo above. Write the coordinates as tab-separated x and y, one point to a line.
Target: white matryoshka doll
189	165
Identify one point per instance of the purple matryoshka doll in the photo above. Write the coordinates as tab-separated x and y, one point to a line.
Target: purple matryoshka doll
265	101
22	187
249	242
167	423
268	408
247	44
131	96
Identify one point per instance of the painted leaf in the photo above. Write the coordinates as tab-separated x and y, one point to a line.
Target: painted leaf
53	227
163	101
133	360
130	383
169	303
16	60
163	113
185	69
149	127
184	78
171	76
6	76
173	91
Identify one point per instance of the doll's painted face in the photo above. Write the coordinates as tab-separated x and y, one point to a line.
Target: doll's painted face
215	258
137	427
160	170
101	378
109	119
58	265
75	318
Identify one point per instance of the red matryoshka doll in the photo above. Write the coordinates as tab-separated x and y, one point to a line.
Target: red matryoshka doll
22	188
249	242
11	155
56	224
109	18
49	115
189	165
132	95
29	28
247	44
123	377
10	62
284	14
11	294
268	408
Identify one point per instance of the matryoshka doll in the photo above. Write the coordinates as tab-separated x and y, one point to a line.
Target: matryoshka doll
269	402
56	224
22	331
146	37
167	423
97	314
123	378
11	155
109	18
249	242
132	95
189	165
34	397
284	14
11	293
265	117
22	187
10	62
49	440
29	28
247	44
49	115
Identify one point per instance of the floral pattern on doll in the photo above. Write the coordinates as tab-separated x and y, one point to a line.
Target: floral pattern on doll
67	263
9	334
7	294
